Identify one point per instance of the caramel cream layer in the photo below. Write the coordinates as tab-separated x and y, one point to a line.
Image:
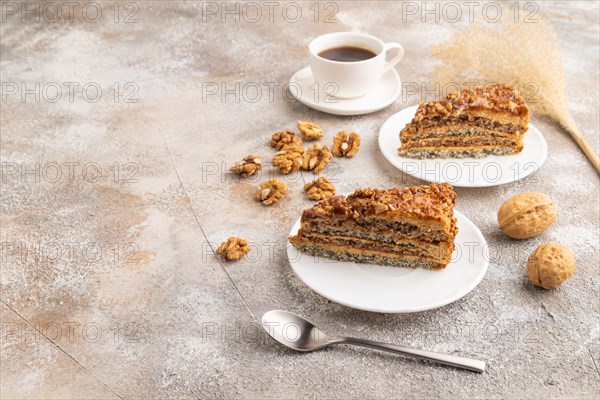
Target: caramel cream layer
458	129
460	148
395	230
427	251
461	141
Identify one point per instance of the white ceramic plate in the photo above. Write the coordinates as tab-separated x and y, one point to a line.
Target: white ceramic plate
466	172
303	87
396	290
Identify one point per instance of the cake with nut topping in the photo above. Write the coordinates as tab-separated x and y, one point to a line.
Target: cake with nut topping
401	227
472	123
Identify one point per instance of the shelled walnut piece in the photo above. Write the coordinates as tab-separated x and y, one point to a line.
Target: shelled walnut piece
234	248
345	145
289	158
550	265
271	191
309	130
248	166
316	158
284	138
321	189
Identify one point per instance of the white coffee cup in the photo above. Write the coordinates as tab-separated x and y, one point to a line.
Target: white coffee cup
350	79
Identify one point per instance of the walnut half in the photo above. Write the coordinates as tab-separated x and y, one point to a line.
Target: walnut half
288	159
248	166
283	138
234	248
309	130
316	158
321	189
271	191
345	145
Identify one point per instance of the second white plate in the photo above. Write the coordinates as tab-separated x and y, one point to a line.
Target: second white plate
465	172
396	290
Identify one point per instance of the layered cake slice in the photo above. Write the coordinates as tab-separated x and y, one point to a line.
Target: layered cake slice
401	227
472	123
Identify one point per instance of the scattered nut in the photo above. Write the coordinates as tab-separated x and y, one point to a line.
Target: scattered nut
283	138
526	215
321	189
344	145
289	158
316	158
550	265
271	191
234	248
309	130
248	166
378	208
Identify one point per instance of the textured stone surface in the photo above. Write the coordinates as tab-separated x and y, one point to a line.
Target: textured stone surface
109	285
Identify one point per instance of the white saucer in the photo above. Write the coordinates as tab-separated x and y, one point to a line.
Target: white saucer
466	172
396	290
303	87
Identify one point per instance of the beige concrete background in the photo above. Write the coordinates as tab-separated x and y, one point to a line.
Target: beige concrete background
109	286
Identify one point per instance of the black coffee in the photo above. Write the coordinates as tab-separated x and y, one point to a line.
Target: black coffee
347	54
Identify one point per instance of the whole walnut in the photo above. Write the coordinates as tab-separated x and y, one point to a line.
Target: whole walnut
526	215
550	265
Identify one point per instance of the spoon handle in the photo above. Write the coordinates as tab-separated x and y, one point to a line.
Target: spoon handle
455	361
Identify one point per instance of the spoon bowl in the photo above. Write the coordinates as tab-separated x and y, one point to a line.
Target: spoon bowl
293	331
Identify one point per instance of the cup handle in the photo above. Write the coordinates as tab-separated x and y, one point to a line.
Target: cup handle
396	59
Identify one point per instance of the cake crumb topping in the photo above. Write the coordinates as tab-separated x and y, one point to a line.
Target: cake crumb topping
496	97
434	202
